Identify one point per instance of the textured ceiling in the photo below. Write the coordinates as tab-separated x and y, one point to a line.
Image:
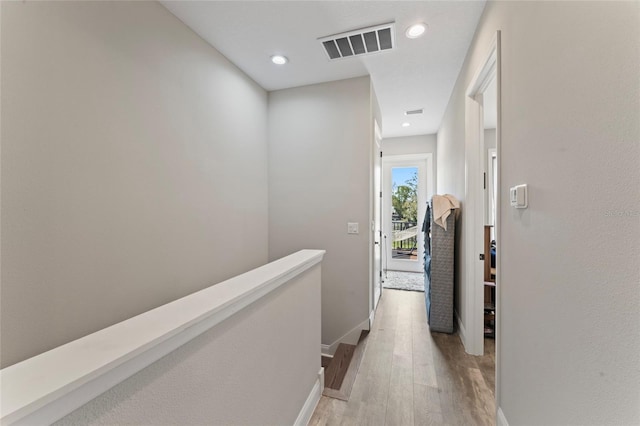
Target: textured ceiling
418	73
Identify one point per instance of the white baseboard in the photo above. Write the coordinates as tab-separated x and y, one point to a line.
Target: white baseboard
461	330
325	350
312	401
351	338
501	420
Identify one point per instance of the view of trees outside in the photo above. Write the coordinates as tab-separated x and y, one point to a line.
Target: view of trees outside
404	200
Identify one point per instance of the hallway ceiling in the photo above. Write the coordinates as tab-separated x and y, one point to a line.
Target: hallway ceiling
416	73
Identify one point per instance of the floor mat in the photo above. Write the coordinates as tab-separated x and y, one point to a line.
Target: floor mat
412	281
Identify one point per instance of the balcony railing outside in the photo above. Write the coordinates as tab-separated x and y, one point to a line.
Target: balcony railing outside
405	240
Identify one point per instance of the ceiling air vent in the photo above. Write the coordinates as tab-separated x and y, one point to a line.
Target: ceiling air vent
414	111
359	42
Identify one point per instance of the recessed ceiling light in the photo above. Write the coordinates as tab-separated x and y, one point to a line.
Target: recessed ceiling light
405	124
416	30
279	59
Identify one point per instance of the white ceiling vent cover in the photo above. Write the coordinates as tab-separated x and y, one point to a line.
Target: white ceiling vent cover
360	42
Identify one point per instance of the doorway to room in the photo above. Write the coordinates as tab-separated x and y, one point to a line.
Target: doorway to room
483	199
489	159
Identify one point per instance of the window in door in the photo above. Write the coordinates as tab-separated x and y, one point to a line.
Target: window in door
404	214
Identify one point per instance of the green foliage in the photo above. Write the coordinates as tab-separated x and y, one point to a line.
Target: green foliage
405	199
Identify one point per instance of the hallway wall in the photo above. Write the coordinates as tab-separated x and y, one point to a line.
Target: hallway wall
320	141
489	139
419	144
134	168
569	318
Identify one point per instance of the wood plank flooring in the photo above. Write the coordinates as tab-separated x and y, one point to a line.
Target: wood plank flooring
410	376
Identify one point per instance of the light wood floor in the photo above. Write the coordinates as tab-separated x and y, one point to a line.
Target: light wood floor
409	376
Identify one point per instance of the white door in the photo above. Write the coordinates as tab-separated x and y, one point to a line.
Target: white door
407	186
377	223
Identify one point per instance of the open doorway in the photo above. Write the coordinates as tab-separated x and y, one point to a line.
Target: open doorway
482	221
489	157
407	185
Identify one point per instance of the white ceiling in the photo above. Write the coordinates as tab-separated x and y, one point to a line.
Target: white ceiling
418	73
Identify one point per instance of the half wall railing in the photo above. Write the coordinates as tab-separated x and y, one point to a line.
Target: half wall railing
244	351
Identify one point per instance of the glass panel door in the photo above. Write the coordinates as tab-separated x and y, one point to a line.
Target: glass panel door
404	213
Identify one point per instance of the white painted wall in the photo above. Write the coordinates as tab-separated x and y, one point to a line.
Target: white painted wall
134	168
419	144
375	108
320	140
255	368
570	284
489	139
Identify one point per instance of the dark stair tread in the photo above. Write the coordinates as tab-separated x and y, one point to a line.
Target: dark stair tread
334	375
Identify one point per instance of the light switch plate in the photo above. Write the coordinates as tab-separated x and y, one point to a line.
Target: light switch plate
518	197
352	228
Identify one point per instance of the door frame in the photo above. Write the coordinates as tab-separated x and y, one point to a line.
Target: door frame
474	200
423	162
376	223
490	217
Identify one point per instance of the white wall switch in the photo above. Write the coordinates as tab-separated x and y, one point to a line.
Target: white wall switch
518	196
352	228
